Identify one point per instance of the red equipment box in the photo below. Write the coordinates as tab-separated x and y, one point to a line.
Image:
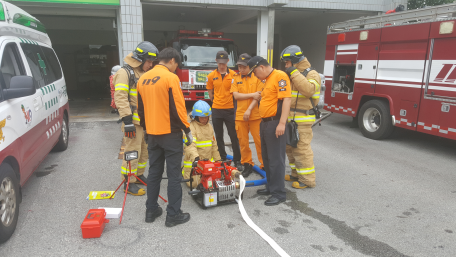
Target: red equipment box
94	223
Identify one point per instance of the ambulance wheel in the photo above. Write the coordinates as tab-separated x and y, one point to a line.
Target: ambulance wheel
375	121
62	145
9	205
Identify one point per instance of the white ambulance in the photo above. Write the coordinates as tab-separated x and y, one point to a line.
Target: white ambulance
33	107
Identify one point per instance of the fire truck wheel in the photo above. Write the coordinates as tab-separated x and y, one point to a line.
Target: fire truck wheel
375	121
62	144
9	205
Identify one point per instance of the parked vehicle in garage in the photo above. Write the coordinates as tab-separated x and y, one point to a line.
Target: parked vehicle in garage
395	70
199	49
33	107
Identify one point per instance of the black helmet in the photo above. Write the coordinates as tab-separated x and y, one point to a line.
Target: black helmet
145	51
292	53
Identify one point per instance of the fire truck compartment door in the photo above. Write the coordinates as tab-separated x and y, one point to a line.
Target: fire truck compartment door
400	70
346	54
366	68
438	103
442	75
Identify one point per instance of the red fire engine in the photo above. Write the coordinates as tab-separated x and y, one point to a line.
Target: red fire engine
393	70
198	49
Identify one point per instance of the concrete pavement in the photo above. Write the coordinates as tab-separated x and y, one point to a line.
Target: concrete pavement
373	198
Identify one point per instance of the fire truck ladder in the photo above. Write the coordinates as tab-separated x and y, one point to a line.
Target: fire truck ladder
428	14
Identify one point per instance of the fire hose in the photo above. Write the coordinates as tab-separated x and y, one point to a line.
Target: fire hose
252	183
249	222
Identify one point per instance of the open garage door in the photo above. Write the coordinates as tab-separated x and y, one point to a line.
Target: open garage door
87	49
86	43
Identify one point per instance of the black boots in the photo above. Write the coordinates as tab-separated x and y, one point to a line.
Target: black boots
177	219
248	169
238	165
152	214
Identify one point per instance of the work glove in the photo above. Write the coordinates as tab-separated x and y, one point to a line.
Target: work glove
290	70
129	128
195	162
189	139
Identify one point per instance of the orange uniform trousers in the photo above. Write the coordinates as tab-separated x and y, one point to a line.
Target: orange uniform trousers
242	129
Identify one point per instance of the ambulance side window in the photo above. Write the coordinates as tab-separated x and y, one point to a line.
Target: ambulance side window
34	59
55	72
11	64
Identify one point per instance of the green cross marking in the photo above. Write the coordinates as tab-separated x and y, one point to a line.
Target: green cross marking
42	64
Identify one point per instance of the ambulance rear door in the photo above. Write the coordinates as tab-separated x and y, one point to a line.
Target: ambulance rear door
50	80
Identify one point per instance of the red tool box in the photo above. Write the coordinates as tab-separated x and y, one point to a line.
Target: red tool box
94	223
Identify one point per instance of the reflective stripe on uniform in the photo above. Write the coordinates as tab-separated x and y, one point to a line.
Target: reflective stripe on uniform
295	93
123	87
142	165
186	165
203	143
126	171
306	171
293	166
133	92
316	96
309	118
136	117
186	140
317	89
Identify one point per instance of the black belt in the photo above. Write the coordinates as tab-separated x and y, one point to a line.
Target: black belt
270	119
308	112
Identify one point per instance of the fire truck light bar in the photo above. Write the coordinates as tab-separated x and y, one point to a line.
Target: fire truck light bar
216	34
190	32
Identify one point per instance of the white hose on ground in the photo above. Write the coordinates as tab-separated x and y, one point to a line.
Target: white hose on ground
249	222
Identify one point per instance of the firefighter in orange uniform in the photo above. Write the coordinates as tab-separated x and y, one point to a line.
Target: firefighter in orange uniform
274	109
246	90
125	97
218	86
161	107
304	90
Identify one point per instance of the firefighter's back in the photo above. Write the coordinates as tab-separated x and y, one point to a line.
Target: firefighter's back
159	88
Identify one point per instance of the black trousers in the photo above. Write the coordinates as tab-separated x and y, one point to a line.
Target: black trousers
169	148
273	152
219	116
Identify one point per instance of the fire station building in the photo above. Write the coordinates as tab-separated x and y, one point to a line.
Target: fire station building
91	36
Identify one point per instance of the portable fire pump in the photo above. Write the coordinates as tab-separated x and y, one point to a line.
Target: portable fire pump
217	186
